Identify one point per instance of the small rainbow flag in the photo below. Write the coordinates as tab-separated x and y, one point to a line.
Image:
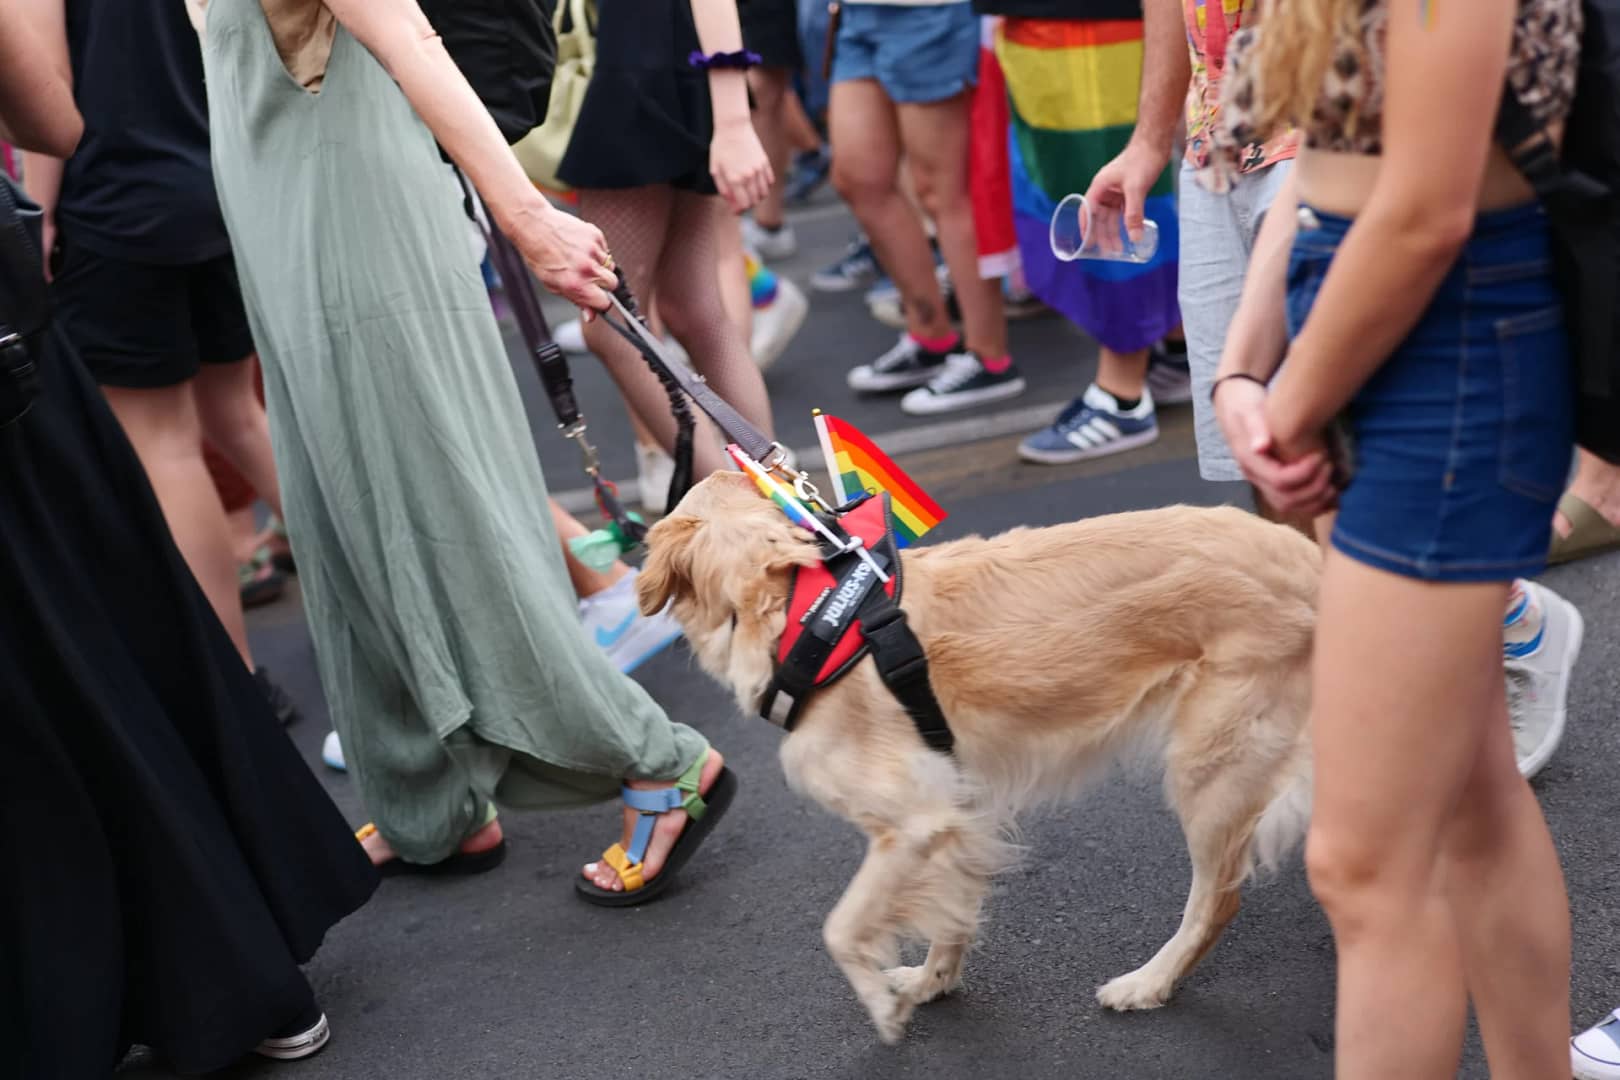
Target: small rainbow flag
856	465
794	509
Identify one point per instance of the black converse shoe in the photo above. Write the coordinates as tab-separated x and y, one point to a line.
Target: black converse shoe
903	367
302	1038
964	383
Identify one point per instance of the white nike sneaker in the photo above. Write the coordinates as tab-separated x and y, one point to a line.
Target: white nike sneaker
769	244
332	753
654	470
1538	674
1594	1054
615	623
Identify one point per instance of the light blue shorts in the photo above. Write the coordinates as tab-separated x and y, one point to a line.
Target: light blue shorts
918	53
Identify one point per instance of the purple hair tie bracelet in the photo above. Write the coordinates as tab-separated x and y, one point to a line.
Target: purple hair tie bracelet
737	61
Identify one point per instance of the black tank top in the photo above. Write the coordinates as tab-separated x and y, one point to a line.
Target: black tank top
140	187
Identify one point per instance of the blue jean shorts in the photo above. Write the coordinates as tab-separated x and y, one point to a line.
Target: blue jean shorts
1460	443
918	53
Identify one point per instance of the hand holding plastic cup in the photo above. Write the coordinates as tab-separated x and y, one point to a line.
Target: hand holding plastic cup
1082	231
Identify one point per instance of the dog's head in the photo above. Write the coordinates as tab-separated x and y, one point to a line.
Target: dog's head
724	559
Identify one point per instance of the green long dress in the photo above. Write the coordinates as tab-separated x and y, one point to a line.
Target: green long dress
444	623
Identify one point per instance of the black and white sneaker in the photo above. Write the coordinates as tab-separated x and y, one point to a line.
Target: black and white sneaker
302	1038
964	383
903	367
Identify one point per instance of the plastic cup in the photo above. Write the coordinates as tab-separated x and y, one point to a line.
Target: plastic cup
1081	231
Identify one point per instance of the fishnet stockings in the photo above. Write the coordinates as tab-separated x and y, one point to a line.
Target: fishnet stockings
665	240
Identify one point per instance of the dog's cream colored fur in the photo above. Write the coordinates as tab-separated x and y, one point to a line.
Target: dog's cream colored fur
1051	651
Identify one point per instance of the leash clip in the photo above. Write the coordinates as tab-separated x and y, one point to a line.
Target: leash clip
587	452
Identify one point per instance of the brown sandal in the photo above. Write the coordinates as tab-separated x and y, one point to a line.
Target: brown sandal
1590	533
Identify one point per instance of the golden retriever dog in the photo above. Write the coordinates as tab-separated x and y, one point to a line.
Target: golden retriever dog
1053	652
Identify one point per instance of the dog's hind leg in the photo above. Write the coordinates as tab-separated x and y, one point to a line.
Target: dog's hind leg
1219	821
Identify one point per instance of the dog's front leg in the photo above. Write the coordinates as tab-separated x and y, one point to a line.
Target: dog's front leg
860	932
939	974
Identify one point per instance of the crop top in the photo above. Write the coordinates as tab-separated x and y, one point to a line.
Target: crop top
1541	71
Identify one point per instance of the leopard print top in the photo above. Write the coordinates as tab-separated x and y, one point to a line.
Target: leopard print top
1541	71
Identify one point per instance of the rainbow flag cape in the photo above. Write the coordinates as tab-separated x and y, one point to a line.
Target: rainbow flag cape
1072	85
856	464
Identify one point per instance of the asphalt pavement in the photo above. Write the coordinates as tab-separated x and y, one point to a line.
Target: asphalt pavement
509	975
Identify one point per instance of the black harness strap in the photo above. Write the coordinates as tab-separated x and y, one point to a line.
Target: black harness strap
903	667
826	623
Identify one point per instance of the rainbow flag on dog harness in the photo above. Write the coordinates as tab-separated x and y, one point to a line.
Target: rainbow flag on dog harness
1072	85
856	465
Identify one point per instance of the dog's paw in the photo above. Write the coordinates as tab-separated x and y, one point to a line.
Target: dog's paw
916	986
890	1012
1137	990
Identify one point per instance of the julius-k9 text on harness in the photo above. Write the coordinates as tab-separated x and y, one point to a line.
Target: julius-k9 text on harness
839	612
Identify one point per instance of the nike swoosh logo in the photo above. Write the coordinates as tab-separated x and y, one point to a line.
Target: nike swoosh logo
609	638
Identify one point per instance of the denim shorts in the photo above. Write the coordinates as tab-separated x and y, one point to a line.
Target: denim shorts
1461	442
918	53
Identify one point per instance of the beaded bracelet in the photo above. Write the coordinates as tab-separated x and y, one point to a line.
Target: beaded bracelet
736	61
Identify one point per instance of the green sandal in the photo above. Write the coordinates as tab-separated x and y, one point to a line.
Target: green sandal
703	811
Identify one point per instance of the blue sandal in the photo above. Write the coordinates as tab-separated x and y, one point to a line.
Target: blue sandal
703	812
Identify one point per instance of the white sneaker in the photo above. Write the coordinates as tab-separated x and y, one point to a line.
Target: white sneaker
778	243
332	753
964	383
777	322
1594	1054
570	337
1538	679
616	624
1168	378
654	470
304	1040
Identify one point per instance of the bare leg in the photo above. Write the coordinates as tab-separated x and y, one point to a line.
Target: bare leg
235	422
866	163
1402	823
1508	900
801	130
1122	374
935	139
771	92
586	582
163	426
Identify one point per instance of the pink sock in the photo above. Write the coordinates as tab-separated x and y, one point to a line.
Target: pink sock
939	344
996	365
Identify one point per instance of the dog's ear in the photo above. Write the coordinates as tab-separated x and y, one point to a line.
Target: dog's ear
668	567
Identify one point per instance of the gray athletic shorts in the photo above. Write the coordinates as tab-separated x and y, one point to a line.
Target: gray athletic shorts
1217	235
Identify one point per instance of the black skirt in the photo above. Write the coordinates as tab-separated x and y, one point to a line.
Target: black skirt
646	117
771	29
167	858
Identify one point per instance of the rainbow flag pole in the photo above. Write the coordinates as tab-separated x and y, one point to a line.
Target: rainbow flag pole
796	511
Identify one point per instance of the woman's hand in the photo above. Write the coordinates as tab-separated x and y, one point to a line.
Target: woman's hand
569	256
738	163
1297	482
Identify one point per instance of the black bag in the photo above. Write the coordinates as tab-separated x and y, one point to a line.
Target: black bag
1580	189
507	49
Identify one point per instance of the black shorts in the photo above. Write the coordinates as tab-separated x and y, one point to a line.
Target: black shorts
144	326
771	29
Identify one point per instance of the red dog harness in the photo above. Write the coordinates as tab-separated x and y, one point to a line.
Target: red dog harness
839	612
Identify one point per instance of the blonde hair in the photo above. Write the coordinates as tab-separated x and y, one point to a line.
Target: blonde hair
1296	46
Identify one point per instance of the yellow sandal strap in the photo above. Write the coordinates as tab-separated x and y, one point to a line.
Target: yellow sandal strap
629	872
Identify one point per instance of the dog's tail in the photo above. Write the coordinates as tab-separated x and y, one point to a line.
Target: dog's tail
1283	822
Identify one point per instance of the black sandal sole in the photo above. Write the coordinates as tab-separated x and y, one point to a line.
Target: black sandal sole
461	864
718	799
